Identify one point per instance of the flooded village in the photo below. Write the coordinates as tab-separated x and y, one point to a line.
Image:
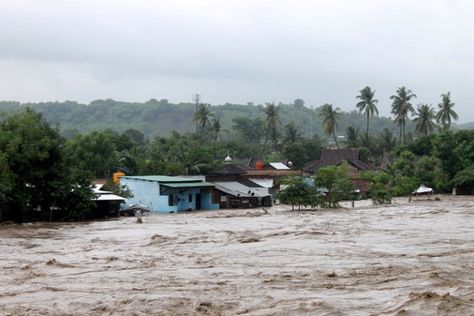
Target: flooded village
219	245
236	158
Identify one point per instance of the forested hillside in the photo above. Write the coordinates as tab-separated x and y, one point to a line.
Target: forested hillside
160	118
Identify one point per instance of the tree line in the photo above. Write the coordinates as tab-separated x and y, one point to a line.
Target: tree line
46	172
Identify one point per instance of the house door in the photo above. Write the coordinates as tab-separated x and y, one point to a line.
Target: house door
198	201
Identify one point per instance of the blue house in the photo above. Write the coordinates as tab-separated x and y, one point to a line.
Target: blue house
170	194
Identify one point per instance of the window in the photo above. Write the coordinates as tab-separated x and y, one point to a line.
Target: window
190	198
216	197
171	200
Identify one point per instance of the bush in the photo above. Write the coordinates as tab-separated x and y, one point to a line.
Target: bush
299	192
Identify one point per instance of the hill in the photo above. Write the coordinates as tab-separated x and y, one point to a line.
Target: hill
155	117
469	125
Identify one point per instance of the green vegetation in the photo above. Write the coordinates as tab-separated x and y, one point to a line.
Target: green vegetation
401	106
335	180
331	118
446	113
299	192
160	118
37	182
308	192
367	104
46	175
424	120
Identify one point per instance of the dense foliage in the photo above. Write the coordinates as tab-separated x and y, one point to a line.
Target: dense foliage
43	171
36	181
326	189
160	118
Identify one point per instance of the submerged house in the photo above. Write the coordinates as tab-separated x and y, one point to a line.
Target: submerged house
336	157
170	194
106	203
234	189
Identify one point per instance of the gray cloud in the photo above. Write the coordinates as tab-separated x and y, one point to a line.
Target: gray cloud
236	51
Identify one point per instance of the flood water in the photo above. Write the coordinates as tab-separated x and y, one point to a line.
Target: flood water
406	259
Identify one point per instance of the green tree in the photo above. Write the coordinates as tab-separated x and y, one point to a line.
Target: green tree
424	120
248	130
299	103
352	135
446	112
303	150
272	121
336	181
331	119
299	192
400	107
380	190
95	152
387	140
367	104
203	117
291	133
465	179
216	128
37	176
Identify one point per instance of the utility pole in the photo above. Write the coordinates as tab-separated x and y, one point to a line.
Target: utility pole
197	100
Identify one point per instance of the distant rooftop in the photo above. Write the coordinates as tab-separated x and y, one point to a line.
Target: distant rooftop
279	166
162	179
333	157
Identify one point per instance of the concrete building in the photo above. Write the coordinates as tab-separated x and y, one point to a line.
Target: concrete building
170	194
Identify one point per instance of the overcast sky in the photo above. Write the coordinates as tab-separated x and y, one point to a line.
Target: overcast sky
322	51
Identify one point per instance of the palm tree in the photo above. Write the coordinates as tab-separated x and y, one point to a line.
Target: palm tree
272	121
352	135
424	120
367	104
331	118
446	112
202	116
291	133
387	140
400	107
216	127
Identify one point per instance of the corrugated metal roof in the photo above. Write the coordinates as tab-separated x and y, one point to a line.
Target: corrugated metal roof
161	178
109	197
188	185
265	182
238	189
279	166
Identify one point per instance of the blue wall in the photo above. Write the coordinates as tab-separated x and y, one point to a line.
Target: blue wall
148	193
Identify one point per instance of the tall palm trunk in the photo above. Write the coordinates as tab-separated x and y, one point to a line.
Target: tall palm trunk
404	136
368	118
400	135
335	139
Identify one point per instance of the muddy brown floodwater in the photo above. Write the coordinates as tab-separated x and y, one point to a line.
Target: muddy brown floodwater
406	259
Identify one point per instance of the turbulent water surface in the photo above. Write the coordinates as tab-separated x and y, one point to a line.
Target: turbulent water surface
406	259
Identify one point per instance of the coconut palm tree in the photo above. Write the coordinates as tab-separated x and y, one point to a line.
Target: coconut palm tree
291	133
387	140
400	107
446	112
367	104
203	116
352	135
216	127
272	121
424	120
331	118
